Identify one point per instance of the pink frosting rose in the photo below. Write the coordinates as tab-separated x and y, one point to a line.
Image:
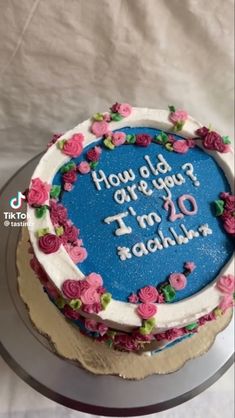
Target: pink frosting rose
143	140
118	138
229	225
71	289
133	298
84	167
70	232
70	176
115	107
148	294
125	341
146	310
190	266
226	302
70	313
77	254
94	154
68	187
38	192
90	296
58	213
91	325
213	141
229	201
49	243
202	132
181	146
174	333
178	281
124	109
178	116
226	284
94	308
95	280
99	128
102	329
73	146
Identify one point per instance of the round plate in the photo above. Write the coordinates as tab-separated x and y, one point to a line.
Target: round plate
30	355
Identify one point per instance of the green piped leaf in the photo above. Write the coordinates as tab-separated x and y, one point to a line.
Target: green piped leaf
94	164
67	167
172	109
59	230
108	143
169	293
75	304
43	231
162	138
116	117
192	326
219	207
131	139
40	212
55	191
105	299
169	146
60	302
178	126
98	116
147	326
60	144
226	140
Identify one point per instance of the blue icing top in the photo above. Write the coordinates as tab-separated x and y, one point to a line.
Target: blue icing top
88	207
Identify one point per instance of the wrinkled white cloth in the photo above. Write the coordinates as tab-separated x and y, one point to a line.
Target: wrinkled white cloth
63	60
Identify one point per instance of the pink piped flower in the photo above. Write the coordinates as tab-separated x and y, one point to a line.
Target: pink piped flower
115	107
146	310
107	117
95	280
90	296
84	167
102	329
226	284
133	298
68	187
148	294
125	110
70	313
53	139
94	154
178	281
70	176
226	302
99	128
178	116
174	333
38	192
71	289
190	266
181	146
91	325
229	201
161	298
73	147
118	138
229	225
143	140
77	254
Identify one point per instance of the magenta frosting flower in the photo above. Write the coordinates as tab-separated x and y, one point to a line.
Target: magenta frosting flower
229	201
84	167
213	141
174	333
99	128
68	187
90	296
229	225
77	254
181	146
94	154
71	289
49	243
53	139
70	232
124	109
91	325
178	281
70	176
102	329
190	266
126	342
115	107
73	146
133	298
143	140
226	284
70	313
94	308
118	138
202	132
58	213
148	294
38	192
226	302
146	310
178	116
95	280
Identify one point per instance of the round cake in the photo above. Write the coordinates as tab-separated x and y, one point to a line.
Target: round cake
132	225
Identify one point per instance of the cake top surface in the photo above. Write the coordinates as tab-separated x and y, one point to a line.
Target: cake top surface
137	191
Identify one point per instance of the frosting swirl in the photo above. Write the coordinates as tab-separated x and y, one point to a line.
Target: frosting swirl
146	310
49	243
148	294
71	289
226	284
73	146
178	281
90	296
95	280
38	192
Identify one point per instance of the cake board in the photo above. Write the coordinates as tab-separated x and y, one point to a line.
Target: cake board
30	355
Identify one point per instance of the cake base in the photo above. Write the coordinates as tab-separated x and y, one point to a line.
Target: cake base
67	341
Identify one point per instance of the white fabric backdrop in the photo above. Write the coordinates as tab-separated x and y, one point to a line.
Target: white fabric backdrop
62	60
